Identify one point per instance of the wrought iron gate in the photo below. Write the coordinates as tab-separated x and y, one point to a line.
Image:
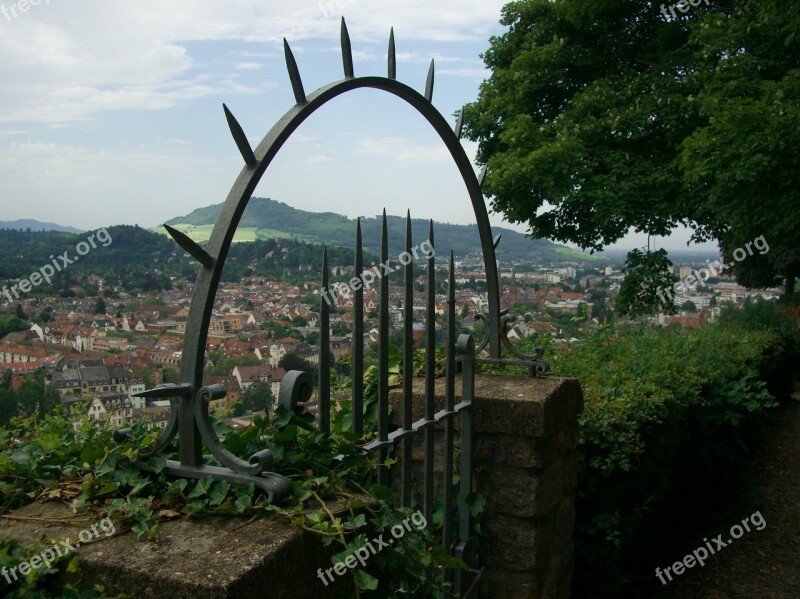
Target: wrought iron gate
189	400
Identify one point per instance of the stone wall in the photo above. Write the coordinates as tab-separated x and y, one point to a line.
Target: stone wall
526	436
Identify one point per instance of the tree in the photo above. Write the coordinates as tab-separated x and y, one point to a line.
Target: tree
292	361
8	406
10	324
100	306
604	116
647	286
20	313
688	306
256	398
145	375
34	396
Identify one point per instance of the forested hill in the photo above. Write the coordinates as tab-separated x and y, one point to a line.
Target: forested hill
131	258
266	218
135	260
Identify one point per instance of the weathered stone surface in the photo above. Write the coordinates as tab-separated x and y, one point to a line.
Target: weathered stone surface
512	451
508	404
523	493
517	544
214	557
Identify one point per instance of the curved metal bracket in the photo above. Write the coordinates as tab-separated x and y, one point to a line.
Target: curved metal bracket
536	366
258	462
173	393
296	387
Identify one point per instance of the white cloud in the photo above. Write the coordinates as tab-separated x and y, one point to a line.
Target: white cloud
67	61
478	74
402	150
426	58
249	66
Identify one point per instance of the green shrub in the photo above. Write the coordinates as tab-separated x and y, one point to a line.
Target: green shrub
667	417
779	367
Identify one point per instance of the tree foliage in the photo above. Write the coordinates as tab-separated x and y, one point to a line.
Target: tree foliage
32	397
603	116
256	398
647	286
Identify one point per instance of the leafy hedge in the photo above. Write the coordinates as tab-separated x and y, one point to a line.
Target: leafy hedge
87	465
665	431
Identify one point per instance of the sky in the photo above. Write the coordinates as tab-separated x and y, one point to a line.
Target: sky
111	112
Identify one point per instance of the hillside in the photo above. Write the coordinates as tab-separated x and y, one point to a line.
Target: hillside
266	218
136	260
35	225
132	258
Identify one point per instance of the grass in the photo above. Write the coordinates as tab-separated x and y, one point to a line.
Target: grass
202	233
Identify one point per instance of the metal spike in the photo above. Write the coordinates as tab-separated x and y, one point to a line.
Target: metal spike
347	52
294	74
191	246
496	240
392	57
482	177
459	123
240	138
429	83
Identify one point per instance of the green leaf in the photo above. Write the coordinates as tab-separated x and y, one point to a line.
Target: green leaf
108	465
157	464
365	582
73	565
219	491
201	488
196	506
477	503
357	522
382	493
140	485
24	457
178	486
242	504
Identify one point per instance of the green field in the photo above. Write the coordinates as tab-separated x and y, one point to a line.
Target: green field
202	233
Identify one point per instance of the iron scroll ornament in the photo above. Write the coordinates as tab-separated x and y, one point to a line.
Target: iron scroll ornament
188	401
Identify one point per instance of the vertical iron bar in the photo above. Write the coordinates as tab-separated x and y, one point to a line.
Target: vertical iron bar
449	404
324	387
383	356
430	376
466	349
358	340
408	361
189	440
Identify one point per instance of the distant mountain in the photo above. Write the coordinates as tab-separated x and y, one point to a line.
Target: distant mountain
36	225
269	219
